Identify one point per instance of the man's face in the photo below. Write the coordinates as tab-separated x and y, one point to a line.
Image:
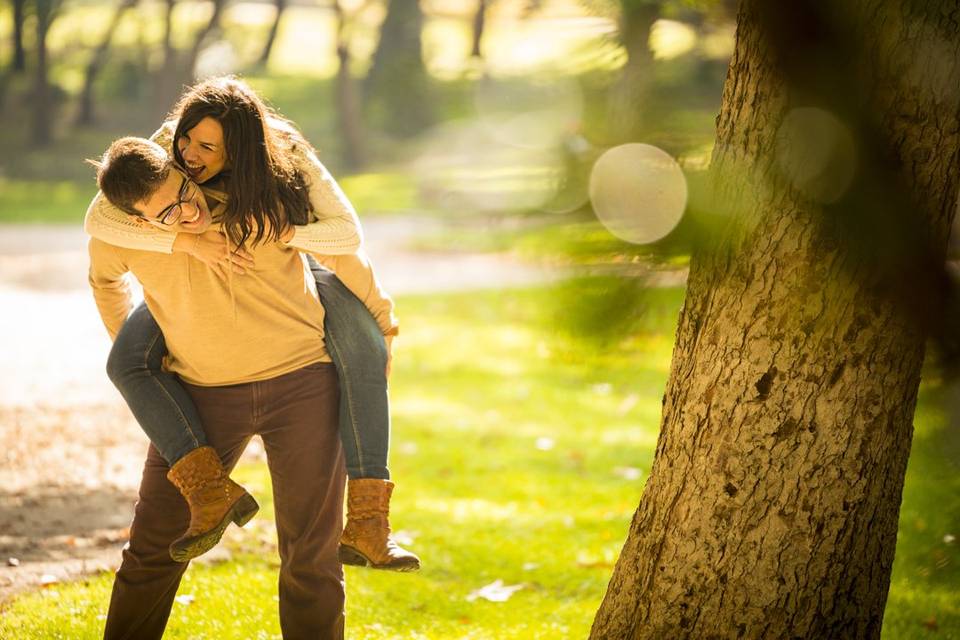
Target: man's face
177	206
202	150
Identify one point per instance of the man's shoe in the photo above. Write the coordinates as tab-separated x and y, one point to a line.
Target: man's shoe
214	499
366	540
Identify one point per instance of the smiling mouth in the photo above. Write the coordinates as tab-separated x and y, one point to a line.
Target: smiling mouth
194	170
197	217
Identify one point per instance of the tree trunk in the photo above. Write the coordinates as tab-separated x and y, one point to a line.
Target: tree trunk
347	101
19	53
169	53
272	35
479	22
212	25
396	87
167	80
85	115
772	506
627	95
43	107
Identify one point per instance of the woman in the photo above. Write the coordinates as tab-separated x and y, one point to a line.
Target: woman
268	179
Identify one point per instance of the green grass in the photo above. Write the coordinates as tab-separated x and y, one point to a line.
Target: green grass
44	202
479	380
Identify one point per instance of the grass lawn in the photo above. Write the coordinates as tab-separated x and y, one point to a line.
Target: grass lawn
520	452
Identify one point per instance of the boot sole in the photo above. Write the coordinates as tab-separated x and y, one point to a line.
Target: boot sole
240	514
349	555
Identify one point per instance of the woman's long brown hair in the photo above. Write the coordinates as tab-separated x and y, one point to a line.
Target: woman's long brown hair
265	190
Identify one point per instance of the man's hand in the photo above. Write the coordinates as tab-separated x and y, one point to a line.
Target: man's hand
213	249
389	341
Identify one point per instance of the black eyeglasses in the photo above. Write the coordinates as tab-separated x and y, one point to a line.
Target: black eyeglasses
170	215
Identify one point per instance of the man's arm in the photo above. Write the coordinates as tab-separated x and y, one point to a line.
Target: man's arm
111	291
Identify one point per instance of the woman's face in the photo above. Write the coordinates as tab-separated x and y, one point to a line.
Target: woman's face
203	150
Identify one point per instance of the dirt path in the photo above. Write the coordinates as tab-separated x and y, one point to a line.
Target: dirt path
71	451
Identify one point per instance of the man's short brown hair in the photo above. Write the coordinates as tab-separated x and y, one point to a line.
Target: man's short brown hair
131	170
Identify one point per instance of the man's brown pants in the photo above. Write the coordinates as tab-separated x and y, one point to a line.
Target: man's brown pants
296	416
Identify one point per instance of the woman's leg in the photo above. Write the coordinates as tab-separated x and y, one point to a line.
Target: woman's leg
356	345
158	401
358	350
170	419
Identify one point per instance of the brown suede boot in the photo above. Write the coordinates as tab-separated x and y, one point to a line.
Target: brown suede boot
366	540
214	501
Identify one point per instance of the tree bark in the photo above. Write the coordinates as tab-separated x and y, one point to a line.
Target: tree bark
19	53
272	35
85	114
772	506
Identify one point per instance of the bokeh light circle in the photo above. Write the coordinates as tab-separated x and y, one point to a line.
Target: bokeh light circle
816	153
638	192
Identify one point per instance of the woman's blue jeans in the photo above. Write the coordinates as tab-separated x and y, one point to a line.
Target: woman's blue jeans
355	344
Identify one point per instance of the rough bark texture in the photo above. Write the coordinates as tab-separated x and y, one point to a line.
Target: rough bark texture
772	506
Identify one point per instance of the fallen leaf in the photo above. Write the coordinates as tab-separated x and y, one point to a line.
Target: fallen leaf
496	591
628	473
13	562
628	403
185	599
404	537
544	443
48	579
530	566
948	539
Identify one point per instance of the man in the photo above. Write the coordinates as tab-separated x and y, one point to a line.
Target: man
250	352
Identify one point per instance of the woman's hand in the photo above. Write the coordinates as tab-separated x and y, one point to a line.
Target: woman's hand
213	249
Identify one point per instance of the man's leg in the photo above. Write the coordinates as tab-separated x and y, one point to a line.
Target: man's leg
147	580
299	428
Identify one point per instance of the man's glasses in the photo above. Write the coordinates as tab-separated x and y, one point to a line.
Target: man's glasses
170	215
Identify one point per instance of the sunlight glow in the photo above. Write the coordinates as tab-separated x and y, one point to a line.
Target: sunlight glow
462	166
670	39
529	113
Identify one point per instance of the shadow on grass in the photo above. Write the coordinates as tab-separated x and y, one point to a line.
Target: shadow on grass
52	522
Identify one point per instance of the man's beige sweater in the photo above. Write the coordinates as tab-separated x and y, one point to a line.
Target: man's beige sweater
244	328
